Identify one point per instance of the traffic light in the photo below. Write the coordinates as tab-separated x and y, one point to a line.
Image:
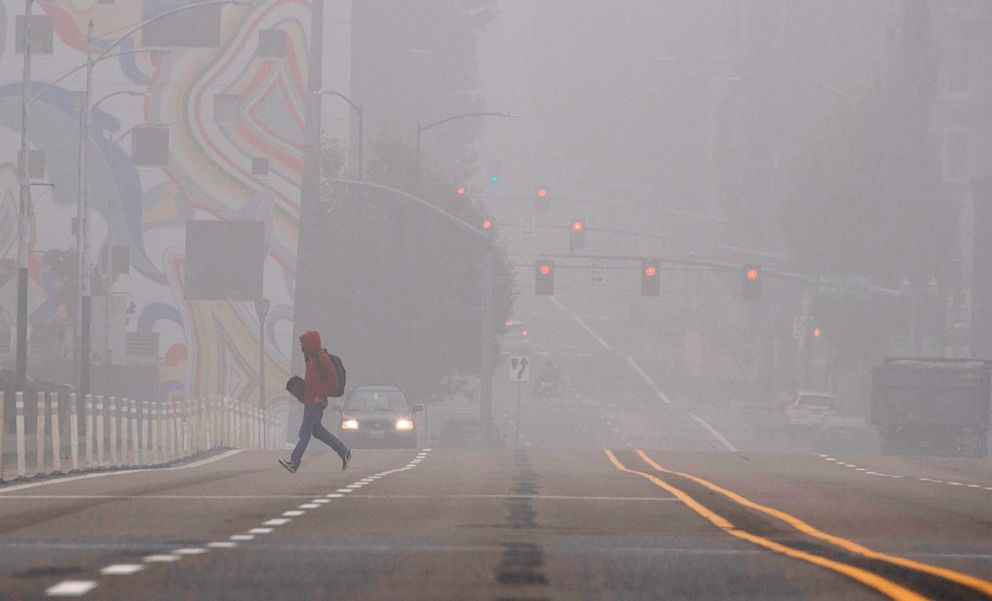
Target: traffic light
577	234
488	226
544	278
751	283
461	191
650	280
541	200
817	332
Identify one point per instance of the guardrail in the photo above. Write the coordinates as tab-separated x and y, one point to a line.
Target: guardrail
104	432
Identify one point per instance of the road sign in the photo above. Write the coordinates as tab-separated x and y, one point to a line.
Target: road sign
520	368
597	274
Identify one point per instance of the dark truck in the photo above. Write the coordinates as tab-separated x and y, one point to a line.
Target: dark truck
932	406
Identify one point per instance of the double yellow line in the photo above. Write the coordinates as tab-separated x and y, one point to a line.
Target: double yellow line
870	579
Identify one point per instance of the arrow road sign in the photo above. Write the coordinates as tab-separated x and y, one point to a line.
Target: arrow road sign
519	369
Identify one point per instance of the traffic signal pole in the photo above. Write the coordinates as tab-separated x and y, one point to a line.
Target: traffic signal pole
487	291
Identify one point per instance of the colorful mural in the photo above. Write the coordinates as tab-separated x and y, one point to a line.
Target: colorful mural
207	348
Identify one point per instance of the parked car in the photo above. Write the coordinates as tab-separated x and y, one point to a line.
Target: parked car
811	410
516	339
377	416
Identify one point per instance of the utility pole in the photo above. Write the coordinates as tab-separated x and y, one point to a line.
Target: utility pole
22	211
82	230
311	219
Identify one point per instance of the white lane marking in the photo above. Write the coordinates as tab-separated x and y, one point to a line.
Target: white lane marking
149	497
260	531
582	324
80	587
503	497
122	569
6	489
343	490
898	477
702	422
294	513
71	588
644	376
333	495
161	558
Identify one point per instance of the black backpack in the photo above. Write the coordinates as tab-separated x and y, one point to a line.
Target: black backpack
339	371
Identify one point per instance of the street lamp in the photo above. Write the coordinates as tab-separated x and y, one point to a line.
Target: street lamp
24	192
361	124
422	128
82	208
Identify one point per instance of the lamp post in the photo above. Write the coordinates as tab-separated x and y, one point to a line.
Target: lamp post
82	207
422	128
361	124
24	190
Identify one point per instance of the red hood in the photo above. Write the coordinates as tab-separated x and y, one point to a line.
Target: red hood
311	341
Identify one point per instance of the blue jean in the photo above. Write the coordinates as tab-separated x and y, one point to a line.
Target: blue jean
312	416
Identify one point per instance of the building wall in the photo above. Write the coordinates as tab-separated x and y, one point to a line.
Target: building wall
206	348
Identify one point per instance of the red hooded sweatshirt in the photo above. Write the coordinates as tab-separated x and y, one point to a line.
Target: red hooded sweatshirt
320	378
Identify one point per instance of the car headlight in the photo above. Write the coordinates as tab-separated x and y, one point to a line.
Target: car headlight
349	424
404	424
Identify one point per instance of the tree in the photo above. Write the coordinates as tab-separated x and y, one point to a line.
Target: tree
401	286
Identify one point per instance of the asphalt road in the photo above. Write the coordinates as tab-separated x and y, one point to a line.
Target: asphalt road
529	524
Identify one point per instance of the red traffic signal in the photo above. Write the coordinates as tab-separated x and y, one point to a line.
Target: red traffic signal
650	282
541	200
487	224
461	191
544	278
542	192
817	332
577	235
751	282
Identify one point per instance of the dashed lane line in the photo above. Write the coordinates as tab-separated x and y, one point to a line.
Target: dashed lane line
867	472
78	588
71	588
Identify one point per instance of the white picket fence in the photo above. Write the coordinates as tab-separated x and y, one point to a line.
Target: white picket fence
111	432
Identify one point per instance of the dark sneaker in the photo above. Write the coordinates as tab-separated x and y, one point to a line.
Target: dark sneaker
345	460
289	465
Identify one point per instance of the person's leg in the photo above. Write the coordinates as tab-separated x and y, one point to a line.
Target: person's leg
306	429
324	435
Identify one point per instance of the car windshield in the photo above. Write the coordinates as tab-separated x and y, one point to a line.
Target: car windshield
377	400
816	400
